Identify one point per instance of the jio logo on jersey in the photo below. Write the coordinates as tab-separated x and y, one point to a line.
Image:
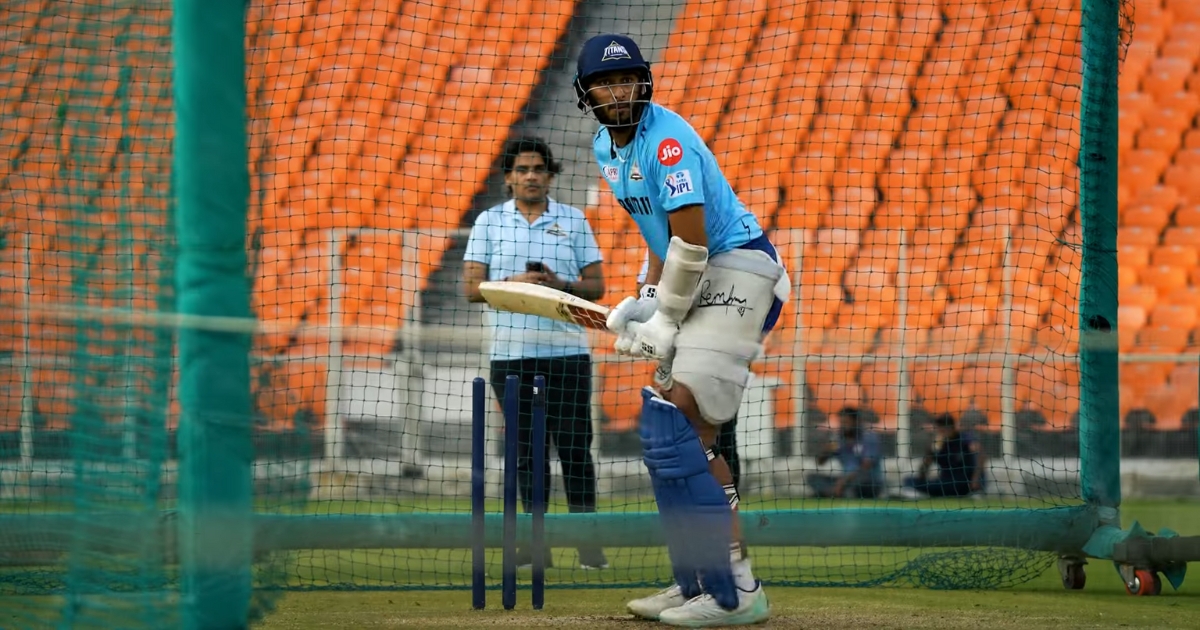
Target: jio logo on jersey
670	152
679	183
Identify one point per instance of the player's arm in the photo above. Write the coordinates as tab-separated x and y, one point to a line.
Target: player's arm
676	173
654	269
688	224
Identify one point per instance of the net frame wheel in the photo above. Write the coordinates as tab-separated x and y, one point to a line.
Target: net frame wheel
1144	583
1073	575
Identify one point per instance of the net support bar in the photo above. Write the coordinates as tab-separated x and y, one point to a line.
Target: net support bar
212	185
1099	419
1053	529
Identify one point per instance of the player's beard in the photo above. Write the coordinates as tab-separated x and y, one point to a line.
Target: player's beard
618	113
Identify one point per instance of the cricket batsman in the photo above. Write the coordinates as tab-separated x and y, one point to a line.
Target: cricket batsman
713	290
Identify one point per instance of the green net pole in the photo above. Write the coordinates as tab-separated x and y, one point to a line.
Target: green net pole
212	186
1099	420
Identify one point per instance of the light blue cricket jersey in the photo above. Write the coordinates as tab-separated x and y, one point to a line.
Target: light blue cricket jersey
666	167
504	240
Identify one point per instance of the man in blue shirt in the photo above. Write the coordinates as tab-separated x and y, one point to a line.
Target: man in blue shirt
859	453
714	288
532	238
960	464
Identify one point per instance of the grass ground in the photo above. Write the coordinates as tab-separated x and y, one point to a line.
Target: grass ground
1039	603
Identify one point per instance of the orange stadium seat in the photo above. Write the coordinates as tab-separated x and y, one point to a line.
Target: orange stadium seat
1174	315
1162	339
620	392
1175	256
1135	235
880	383
834	382
1164	278
1186	296
1130	320
949	120
1133	257
1182	235
1189	215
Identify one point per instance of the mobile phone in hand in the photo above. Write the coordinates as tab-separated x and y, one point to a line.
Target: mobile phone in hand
535	266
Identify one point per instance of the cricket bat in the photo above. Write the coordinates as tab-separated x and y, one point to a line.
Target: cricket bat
543	301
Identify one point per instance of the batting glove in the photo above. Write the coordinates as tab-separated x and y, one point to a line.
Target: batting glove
655	338
632	310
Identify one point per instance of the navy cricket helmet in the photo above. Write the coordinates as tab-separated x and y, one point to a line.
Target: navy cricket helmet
607	53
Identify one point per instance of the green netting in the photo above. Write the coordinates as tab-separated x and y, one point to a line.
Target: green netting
86	239
914	162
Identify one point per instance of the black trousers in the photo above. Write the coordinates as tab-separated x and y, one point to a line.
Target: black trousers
568	425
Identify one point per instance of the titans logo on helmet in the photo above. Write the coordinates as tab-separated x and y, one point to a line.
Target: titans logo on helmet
615	51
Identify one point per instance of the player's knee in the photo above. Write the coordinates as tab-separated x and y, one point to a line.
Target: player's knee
681	396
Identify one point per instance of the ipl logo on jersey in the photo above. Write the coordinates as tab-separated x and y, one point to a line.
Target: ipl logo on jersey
615	51
679	183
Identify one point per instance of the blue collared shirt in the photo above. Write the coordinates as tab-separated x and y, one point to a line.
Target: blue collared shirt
504	240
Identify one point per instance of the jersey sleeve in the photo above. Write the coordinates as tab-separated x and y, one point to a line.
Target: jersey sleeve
676	167
478	248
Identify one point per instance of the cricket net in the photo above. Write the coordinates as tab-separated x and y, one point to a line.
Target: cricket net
935	176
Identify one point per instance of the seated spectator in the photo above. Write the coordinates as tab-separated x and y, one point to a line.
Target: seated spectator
960	464
859	452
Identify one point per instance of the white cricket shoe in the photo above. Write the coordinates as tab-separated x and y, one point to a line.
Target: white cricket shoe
703	611
653	606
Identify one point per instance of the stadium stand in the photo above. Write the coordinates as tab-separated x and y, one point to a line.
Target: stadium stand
373	114
921	118
934	138
383	120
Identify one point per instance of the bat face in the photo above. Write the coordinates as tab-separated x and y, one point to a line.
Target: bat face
534	299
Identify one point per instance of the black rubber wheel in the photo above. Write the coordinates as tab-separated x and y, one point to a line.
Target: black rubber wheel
1074	577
